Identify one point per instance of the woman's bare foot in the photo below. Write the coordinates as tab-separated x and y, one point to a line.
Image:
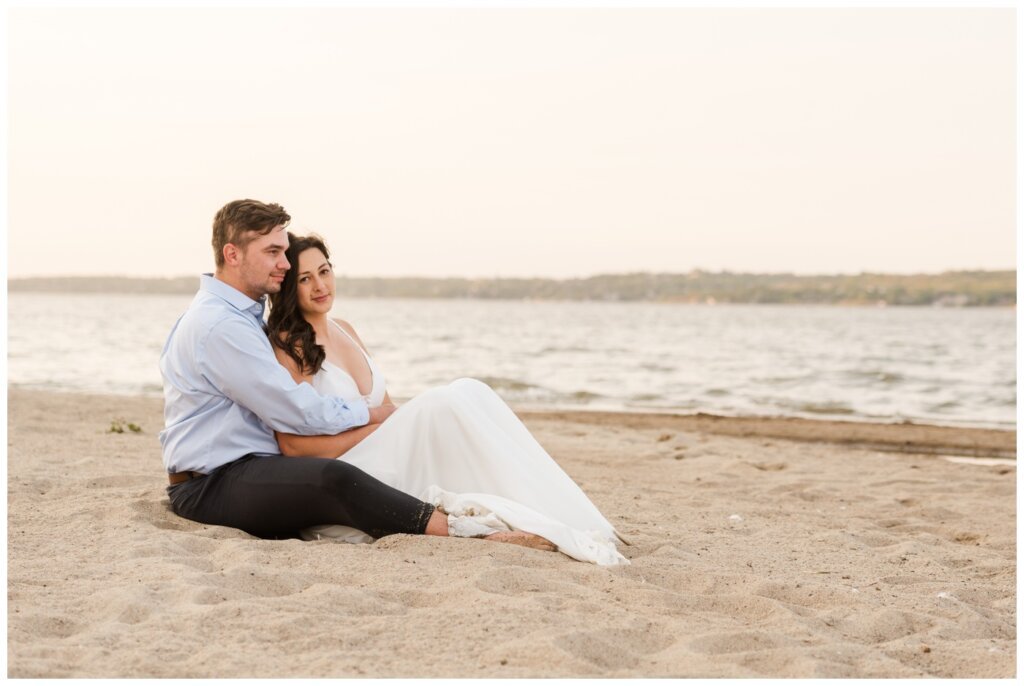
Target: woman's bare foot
438	526
522	538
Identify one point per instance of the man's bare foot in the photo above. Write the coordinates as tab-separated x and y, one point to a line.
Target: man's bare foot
522	538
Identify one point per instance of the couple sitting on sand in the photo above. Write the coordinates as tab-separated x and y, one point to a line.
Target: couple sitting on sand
285	428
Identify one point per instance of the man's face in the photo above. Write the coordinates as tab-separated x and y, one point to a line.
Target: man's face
263	263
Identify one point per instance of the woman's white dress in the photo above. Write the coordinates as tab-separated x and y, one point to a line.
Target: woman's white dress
461	447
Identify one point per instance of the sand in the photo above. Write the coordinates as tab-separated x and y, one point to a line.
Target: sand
760	548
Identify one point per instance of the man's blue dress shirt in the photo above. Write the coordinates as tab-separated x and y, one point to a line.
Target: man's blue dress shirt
224	391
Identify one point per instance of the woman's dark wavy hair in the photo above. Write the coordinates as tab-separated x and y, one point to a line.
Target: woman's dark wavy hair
287	328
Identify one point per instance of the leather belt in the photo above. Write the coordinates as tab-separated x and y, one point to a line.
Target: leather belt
180	477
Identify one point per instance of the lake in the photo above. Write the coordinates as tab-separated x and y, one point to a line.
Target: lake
939	365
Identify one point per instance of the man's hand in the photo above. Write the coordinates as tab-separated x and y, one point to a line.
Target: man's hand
379	414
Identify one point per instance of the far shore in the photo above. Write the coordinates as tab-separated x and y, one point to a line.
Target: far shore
977	288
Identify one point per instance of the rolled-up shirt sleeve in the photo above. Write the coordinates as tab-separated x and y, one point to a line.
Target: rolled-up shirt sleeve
236	358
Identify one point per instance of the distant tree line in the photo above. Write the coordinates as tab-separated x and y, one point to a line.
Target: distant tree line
954	288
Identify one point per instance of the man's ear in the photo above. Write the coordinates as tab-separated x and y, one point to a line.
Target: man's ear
232	255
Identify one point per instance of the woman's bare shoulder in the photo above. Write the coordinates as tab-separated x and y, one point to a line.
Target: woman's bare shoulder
345	325
285	359
280	344
290	363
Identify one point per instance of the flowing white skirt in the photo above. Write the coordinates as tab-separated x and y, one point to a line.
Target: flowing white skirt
461	447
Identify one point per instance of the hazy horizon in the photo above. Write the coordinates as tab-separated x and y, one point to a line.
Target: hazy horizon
550	143
551	278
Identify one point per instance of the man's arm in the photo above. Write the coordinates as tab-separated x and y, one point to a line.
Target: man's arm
236	359
293	445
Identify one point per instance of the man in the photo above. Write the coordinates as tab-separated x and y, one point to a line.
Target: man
225	394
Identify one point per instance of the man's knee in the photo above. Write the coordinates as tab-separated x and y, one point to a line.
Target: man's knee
338	477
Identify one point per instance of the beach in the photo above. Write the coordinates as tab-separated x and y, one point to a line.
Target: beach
759	547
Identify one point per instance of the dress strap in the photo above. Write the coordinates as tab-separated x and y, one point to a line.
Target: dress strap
369	362
351	338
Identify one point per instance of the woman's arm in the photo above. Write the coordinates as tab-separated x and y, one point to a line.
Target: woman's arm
330	447
352	332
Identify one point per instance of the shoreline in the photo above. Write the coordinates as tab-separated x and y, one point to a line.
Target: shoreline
758	549
897	436
902	437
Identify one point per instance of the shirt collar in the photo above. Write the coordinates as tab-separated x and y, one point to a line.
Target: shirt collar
234	297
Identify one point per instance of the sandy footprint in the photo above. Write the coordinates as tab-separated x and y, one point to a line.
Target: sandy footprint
803	594
45	626
516	581
613	649
252	581
737	642
882	626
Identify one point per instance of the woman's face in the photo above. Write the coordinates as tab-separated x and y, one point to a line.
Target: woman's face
315	282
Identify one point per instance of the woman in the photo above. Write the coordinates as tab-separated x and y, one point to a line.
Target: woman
459	446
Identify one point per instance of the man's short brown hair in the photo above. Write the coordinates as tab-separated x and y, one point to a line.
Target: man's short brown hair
241	221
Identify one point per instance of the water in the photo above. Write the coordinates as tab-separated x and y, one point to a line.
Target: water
943	366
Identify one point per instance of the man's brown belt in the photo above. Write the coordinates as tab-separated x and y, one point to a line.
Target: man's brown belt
183	476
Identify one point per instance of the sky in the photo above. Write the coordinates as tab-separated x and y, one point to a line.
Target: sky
516	142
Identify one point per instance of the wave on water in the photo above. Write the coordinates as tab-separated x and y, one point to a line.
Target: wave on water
518	391
655	367
499	383
785	381
943	406
646	397
821	407
128	390
550	349
875	376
